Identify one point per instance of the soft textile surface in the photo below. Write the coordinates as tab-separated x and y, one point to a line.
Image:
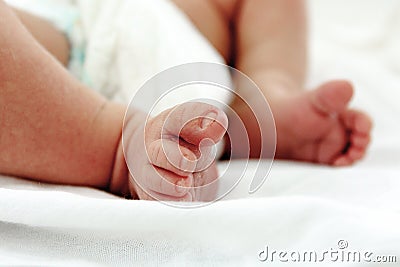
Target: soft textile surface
301	207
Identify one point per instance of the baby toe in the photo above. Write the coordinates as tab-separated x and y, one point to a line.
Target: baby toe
169	155
194	121
158	182
360	141
342	161
357	121
332	97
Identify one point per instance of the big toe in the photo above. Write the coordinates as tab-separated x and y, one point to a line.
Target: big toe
194	122
332	97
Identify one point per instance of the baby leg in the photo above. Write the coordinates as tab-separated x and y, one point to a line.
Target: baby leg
53	129
53	40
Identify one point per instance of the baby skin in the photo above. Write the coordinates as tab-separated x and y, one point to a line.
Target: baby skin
54	129
179	165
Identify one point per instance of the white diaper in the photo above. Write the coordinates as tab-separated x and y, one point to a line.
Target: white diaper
133	40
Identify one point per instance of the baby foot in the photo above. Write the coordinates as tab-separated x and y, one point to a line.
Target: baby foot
318	126
179	159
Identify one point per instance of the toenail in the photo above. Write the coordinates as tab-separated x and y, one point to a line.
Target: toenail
208	119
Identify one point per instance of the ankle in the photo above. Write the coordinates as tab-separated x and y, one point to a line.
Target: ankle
111	123
119	183
276	84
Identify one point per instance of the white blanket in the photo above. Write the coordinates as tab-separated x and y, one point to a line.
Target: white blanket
300	208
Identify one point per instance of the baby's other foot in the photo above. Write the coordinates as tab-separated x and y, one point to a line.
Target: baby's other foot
180	156
318	126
